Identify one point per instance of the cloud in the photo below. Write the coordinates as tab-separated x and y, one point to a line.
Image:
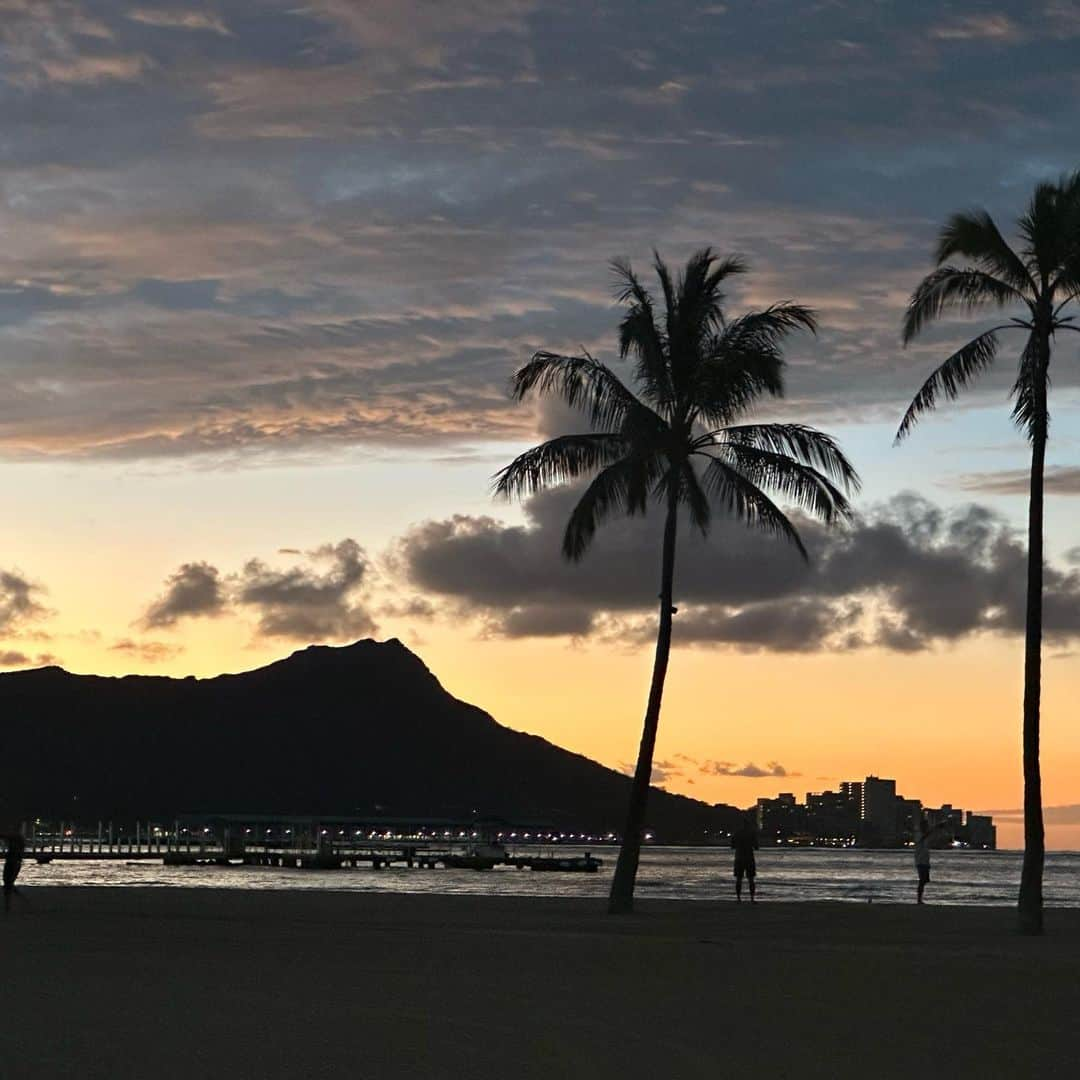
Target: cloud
906	576
194	590
321	598
991	26
729	768
20	602
1059	480
1068	814
178	19
15	658
305	604
172	285
152	652
677	766
662	771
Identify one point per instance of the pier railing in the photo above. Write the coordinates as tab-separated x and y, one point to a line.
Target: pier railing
303	848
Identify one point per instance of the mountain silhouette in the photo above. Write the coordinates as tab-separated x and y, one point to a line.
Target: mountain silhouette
363	729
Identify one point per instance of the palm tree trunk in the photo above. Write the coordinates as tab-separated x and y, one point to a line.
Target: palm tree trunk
1030	908
621	899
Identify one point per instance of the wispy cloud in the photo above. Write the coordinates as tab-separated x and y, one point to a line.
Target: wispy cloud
1059	479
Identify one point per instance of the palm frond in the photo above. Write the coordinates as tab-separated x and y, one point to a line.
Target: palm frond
1042	227
796	483
640	336
1030	410
743	499
699	313
771	325
951	377
731	379
558	461
584	384
622	487
692	495
974	235
667	286
723	268
954	287
745	361
801	444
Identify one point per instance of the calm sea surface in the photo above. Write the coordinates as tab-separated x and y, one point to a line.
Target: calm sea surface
959	877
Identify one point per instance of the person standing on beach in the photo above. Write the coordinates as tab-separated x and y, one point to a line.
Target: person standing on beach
16	845
745	842
922	854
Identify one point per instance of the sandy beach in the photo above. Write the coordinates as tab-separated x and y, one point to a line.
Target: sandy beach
147	983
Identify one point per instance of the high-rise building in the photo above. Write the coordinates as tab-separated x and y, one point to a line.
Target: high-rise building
853	791
946	819
980	831
880	817
909	814
832	816
781	817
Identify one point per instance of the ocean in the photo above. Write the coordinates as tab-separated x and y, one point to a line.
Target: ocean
784	874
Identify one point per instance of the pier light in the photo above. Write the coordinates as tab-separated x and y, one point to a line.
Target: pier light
528	836
357	833
248	832
267	832
323	833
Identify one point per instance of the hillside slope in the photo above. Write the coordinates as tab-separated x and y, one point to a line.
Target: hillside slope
361	729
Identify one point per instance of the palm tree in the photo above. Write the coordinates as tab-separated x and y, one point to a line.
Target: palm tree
1041	280
676	441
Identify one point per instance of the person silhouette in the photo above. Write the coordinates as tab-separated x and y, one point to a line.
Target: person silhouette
745	842
13	858
922	854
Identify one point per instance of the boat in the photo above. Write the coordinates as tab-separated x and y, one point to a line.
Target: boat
580	864
485	855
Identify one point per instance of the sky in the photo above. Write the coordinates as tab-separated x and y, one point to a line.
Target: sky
267	269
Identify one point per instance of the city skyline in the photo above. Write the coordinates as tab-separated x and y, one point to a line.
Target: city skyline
869	813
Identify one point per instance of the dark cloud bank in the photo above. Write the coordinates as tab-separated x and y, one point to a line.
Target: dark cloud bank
905	577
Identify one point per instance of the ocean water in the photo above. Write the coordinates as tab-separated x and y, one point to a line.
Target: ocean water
790	874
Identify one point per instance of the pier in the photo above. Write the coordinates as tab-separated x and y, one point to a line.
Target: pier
314	843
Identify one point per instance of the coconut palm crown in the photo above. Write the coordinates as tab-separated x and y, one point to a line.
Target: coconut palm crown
681	441
1040	280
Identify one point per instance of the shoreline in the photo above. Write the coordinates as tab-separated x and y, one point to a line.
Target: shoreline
195	982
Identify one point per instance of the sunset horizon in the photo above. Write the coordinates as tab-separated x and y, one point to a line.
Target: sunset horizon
269	270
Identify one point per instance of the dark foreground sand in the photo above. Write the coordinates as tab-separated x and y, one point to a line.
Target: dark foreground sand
204	984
